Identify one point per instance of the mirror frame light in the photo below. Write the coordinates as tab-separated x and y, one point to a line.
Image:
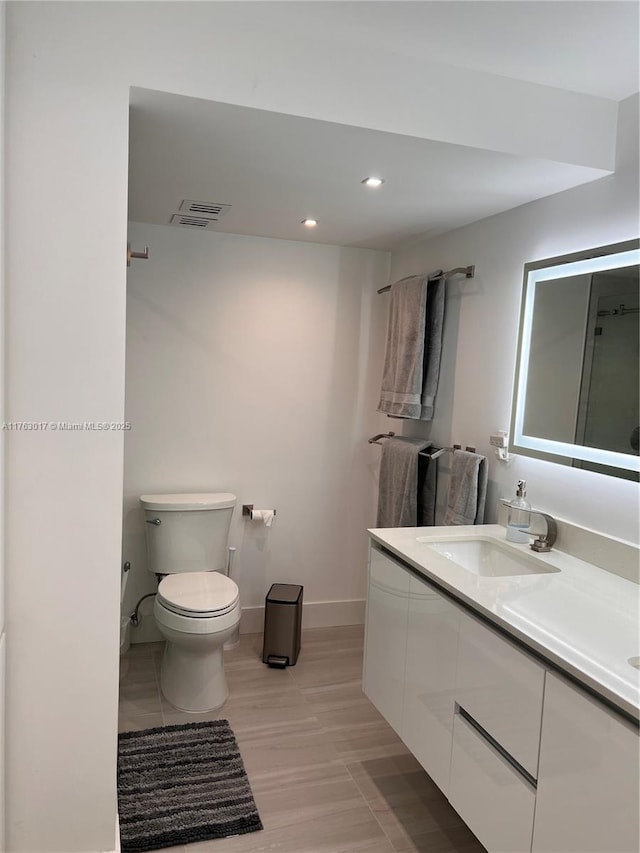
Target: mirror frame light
602	258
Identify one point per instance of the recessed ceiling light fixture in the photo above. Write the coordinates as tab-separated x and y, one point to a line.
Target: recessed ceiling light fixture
310	223
373	182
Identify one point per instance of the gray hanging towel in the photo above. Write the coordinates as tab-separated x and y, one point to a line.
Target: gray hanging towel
467	488
398	482
427	489
414	347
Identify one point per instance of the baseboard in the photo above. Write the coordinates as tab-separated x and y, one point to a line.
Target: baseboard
315	614
146	631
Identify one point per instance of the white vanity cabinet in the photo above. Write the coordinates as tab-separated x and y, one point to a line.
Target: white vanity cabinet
501	687
489	794
588	798
411	646
432	647
494	759
530	761
386	636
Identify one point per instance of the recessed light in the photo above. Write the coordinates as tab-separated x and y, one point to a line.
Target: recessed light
310	223
373	182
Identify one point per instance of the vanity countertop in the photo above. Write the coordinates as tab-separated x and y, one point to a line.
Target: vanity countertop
582	619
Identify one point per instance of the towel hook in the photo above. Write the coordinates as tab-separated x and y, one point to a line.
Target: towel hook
143	255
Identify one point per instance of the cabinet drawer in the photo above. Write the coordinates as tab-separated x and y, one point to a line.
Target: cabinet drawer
492	798
502	688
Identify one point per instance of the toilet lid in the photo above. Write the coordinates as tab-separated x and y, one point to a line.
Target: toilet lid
186	502
198	594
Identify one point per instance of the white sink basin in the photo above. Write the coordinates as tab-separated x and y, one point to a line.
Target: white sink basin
488	558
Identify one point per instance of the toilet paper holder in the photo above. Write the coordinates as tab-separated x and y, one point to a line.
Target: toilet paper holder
247	509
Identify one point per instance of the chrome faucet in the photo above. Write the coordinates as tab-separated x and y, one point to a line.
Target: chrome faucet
545	541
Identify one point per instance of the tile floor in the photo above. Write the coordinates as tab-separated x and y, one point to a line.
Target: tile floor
328	773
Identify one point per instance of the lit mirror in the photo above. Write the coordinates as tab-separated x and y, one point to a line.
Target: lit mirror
577	373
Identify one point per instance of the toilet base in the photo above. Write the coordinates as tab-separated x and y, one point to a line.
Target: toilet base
234	640
191	680
192	675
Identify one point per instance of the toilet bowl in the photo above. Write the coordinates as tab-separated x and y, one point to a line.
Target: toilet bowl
197	606
197	613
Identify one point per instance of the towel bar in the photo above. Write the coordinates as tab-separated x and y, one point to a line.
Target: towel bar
439	451
375	439
468	272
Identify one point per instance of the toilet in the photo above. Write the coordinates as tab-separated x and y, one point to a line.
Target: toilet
197	606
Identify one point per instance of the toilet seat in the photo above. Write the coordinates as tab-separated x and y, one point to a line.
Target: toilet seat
199	595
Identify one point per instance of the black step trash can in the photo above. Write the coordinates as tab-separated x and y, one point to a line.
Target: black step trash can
282	625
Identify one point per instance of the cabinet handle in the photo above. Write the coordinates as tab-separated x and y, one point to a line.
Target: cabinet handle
484	734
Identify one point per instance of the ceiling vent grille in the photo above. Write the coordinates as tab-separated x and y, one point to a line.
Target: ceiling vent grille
192	221
208	209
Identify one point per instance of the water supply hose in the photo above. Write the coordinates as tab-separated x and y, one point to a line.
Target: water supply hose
134	618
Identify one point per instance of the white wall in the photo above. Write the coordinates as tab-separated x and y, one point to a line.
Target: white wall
481	330
2	409
70	66
253	366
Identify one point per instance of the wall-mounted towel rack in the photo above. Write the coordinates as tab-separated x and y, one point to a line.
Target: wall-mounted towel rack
375	439
434	454
440	450
467	272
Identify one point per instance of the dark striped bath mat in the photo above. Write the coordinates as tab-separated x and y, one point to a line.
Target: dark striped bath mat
178	784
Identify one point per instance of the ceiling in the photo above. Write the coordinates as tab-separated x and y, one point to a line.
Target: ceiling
588	46
275	170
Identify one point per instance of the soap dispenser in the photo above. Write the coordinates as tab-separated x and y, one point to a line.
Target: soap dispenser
519	515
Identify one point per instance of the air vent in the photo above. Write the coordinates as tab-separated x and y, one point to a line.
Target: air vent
208	209
192	221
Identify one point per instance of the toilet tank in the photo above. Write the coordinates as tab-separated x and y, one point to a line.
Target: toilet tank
187	533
